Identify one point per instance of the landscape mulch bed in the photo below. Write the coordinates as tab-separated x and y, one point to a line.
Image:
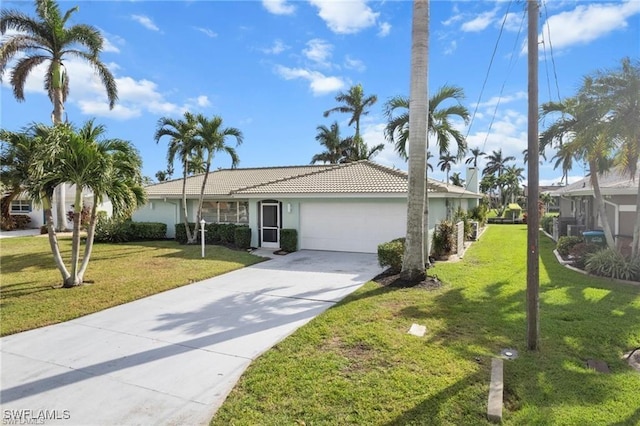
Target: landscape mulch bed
390	278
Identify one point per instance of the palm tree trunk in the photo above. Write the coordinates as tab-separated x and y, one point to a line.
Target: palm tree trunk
53	240
413	264
73	280
56	116
185	212
204	184
608	235
88	248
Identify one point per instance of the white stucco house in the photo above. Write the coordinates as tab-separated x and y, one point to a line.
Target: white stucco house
340	207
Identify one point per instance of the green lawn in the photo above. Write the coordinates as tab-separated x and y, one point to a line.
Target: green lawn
30	296
356	364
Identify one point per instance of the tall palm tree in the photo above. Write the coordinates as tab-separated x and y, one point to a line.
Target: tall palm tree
335	146
457	180
439	123
496	163
355	103
510	183
582	128
211	137
182	134
619	90
46	39
475	154
359	151
445	163
414	260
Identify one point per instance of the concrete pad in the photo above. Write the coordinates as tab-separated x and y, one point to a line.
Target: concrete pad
496	388
172	358
417	330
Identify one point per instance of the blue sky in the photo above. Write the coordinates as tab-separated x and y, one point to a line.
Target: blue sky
270	68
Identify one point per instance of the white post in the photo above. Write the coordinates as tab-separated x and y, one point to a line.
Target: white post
202	223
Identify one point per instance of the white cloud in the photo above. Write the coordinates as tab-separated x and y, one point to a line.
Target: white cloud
480	22
97	108
278	7
346	17
503	100
354	64
515	21
384	29
318	51
451	47
318	82
276	48
145	21
201	101
373	134
206	31
589	22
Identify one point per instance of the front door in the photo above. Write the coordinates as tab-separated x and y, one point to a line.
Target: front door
270	232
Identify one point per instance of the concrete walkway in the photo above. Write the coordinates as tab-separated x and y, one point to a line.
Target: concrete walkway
172	358
19	233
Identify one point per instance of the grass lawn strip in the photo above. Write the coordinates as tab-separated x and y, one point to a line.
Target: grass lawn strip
356	363
30	296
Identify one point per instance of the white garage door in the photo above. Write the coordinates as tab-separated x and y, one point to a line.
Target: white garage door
353	226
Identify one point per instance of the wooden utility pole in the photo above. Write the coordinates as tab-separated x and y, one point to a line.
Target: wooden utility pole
533	219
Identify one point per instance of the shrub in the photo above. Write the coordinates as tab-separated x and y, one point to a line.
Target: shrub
212	233
227	233
480	213
289	240
390	254
580	253
243	237
462	215
15	221
85	215
181	232
444	240
565	244
145	231
546	222
612	264
111	230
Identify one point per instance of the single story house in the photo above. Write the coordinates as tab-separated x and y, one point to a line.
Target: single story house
340	207
578	211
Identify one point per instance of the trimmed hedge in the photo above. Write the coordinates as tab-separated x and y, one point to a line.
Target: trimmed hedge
109	230
243	237
390	254
289	240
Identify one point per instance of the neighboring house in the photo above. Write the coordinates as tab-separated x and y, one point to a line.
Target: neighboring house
553	206
23	205
578	210
344	207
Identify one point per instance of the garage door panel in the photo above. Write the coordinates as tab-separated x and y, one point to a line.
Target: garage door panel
356	226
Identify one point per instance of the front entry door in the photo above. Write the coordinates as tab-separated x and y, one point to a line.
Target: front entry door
270	233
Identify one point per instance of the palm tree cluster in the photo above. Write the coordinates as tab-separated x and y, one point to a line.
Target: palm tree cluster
501	180
352	148
40	158
194	141
599	125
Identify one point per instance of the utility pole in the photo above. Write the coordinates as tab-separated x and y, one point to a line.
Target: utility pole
533	219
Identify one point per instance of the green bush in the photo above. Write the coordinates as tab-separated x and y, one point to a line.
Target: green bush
580	253
212	233
289	240
15	221
147	231
480	214
111	230
612	264
444	240
181	232
546	222
565	244
242	237
227	233
390	254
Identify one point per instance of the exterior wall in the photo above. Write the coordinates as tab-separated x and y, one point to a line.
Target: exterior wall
36	214
627	220
167	212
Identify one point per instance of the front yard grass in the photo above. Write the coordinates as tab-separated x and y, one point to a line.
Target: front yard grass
356	364
30	296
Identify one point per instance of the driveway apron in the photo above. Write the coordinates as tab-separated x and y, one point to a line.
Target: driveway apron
171	358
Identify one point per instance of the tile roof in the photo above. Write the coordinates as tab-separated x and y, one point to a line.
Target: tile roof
610	183
361	177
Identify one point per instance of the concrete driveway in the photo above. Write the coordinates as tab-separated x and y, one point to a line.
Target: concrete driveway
172	358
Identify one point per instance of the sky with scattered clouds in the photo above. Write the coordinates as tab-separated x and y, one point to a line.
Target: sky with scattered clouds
271	68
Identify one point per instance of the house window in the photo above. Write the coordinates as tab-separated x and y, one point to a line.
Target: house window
225	211
21	206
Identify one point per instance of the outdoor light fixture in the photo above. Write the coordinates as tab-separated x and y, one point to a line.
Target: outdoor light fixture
288	207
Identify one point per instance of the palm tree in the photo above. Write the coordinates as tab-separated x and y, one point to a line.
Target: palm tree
414	260
510	183
355	103
439	124
582	129
619	89
497	163
211	138
546	198
457	180
181	145
359	151
335	146
445	163
47	39
475	154
163	175
15	157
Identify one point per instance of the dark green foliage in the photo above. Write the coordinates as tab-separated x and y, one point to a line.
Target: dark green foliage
390	254
181	232
444	240
289	240
612	264
109	230
463	216
565	244
212	233
243	237
479	213
580	253
546	223
227	233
